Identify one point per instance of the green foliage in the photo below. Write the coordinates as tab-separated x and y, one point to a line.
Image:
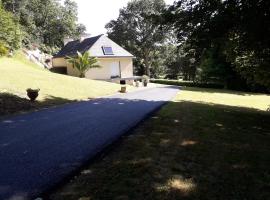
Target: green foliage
254	67
3	50
83	62
137	31
243	40
48	49
164	55
46	22
187	83
213	67
10	33
180	62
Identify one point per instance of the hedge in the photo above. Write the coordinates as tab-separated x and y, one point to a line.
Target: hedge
188	83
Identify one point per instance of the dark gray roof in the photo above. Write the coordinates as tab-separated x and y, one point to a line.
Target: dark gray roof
71	48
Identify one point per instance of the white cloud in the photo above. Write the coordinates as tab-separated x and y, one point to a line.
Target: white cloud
95	14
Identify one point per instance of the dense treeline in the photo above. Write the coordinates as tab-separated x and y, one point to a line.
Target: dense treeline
229	38
214	41
44	23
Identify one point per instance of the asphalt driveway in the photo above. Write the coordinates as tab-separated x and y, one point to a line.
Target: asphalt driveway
39	149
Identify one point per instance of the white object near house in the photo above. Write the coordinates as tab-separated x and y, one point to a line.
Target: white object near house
115	61
35	56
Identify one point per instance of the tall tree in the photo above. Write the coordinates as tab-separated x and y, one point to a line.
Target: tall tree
230	26
136	30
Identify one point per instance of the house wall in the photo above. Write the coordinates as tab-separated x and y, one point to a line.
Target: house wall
72	71
62	62
126	67
103	73
59	62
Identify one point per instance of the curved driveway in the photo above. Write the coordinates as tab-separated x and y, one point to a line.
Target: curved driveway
37	150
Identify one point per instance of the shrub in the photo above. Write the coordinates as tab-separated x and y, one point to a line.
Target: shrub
3	50
145	78
9	29
188	83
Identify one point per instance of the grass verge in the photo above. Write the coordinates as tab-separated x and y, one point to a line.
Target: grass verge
206	144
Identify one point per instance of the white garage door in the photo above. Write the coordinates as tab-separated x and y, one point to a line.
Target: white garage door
115	71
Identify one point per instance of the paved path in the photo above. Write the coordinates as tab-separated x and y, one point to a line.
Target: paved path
37	150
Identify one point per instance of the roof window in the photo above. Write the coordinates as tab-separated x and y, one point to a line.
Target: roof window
107	50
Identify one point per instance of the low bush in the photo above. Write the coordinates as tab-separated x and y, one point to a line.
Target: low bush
188	83
3	50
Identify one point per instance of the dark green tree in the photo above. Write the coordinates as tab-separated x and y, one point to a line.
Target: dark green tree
242	39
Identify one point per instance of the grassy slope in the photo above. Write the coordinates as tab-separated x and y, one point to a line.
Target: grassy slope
206	144
18	74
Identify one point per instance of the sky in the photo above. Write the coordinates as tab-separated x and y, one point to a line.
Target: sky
95	14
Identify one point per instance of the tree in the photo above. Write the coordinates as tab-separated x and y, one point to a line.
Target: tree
83	62
227	25
214	68
3	50
10	33
17	7
45	22
137	31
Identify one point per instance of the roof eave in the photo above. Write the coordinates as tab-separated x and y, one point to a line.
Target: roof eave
98	56
115	56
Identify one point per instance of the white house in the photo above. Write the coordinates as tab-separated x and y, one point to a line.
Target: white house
115	61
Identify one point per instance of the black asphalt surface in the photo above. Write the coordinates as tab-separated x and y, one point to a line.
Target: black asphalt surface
39	149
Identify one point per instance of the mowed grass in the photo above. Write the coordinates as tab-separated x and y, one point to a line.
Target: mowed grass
206	144
18	74
226	97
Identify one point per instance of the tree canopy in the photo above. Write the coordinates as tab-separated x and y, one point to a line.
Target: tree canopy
10	34
45	23
136	30
227	36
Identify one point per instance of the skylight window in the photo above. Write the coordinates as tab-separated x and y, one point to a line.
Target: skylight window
107	50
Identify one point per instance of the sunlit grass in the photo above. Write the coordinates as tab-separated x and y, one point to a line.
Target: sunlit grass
225	97
181	184
18	74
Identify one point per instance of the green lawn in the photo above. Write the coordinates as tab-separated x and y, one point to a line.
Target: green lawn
18	74
206	144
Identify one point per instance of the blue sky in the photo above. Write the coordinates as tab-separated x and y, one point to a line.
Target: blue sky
95	14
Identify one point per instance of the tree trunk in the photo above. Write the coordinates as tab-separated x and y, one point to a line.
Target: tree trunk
82	75
147	65
147	70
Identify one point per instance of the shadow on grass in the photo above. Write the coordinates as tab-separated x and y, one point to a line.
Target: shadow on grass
11	104
186	151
